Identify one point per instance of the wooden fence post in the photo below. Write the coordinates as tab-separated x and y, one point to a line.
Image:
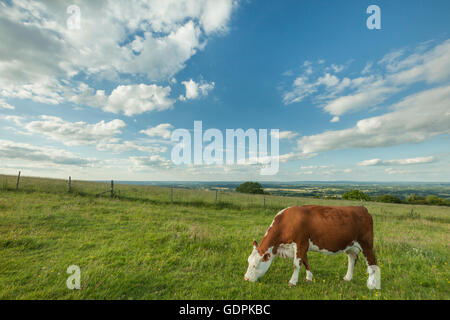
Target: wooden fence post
112	189
18	179
264	202
171	194
70	184
216	194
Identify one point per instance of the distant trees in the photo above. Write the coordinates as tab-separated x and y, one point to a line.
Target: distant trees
250	187
434	200
356	195
413	198
388	198
429	200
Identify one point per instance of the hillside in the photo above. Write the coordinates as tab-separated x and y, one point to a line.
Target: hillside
142	245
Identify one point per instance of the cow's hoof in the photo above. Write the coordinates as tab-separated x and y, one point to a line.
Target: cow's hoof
308	280
290	284
345	279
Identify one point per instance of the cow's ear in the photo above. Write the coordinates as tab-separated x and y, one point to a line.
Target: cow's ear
255	244
266	257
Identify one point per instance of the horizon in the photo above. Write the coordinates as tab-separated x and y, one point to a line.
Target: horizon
237	181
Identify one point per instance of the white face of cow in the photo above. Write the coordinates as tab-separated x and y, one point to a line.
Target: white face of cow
257	265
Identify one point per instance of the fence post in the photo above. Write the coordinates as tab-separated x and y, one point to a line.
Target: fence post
70	184
216	194
264	202
171	194
112	189
18	179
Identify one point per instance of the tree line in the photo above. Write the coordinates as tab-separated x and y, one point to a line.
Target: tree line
388	198
256	188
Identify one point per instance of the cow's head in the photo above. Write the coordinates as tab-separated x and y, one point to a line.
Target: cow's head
257	264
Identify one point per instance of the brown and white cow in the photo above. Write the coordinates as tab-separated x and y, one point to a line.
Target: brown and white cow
330	230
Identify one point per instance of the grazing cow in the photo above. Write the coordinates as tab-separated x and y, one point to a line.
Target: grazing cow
330	230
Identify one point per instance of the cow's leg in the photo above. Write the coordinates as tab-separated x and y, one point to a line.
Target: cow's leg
309	275
374	279
294	278
352	257
300	256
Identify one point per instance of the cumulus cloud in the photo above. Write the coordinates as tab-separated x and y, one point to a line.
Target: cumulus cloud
163	130
338	96
10	150
414	119
196	90
379	162
75	133
102	135
127	99
136	99
153	39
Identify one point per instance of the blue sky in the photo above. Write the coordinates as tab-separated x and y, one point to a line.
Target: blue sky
100	101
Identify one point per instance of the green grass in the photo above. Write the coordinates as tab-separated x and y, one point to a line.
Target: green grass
139	245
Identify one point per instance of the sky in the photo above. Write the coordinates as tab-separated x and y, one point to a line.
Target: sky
95	89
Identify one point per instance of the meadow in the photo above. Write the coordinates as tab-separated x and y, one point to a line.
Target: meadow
141	245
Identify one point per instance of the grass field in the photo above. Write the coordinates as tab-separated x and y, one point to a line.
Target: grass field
140	245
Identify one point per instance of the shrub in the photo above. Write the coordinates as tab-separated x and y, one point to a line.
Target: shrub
388	199
435	200
250	187
355	195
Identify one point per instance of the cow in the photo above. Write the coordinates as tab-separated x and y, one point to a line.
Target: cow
326	229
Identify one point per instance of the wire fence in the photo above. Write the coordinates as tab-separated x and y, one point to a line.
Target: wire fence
219	198
176	195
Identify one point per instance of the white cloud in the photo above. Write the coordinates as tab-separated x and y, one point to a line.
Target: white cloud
362	99
23	151
154	161
379	162
337	68
367	69
328	80
397	171
322	170
216	14
16	119
75	133
123	146
136	99
288	135
313	167
163	130
340	96
301	88
414	119
103	135
152	38
127	99
196	90
5	105
335	119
